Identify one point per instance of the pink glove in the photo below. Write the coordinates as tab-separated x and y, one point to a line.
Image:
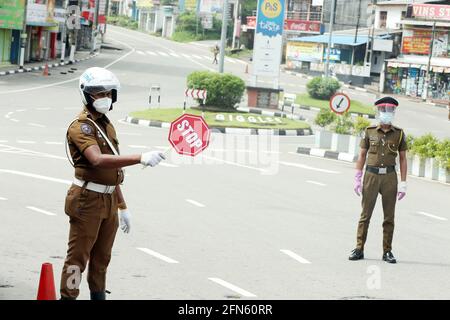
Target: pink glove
401	190
358	186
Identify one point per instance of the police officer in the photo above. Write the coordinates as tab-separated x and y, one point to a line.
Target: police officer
95	198
379	147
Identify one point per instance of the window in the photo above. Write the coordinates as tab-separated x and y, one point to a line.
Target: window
383	19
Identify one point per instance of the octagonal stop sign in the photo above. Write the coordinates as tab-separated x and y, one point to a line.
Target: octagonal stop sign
189	134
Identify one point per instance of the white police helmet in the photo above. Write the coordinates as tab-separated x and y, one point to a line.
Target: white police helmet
96	80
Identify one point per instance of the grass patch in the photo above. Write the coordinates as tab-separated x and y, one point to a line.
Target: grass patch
186	36
246	53
168	115
355	106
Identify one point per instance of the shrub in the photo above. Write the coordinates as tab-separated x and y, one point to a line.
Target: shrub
322	88
360	125
343	124
224	90
325	117
425	146
443	153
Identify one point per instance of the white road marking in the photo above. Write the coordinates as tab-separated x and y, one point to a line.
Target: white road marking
234	163
129	134
3	141
15	120
322	158
36	176
206	57
8	115
140	52
3	199
151	53
36	125
42	109
431	216
25	152
232	287
53	142
20	110
157	255
295	256
163	53
195	203
138	147
316	183
185	55
197	57
230	60
26	141
41	211
174	55
302	166
168	165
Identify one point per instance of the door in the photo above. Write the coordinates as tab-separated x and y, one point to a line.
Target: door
15	46
5	45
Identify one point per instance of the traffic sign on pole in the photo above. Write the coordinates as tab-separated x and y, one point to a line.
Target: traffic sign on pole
339	103
189	134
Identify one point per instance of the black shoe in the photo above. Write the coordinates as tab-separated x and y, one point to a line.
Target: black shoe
356	254
389	257
98	296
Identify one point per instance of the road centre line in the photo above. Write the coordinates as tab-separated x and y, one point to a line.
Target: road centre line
36	125
232	287
174	55
157	255
41	211
302	166
137	146
36	176
26	141
431	216
3	199
316	183
53	142
163	54
42	109
140	52
195	203
295	256
20	110
151	53
3	141
15	120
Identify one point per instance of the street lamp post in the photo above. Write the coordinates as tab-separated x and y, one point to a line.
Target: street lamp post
430	54
223	38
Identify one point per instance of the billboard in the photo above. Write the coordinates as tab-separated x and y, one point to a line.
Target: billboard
267	48
417	41
431	11
304	51
11	14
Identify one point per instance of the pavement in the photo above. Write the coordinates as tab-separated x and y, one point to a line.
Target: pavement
247	219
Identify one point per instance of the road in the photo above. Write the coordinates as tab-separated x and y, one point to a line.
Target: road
248	219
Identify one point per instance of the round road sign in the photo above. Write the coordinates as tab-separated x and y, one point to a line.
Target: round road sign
340	103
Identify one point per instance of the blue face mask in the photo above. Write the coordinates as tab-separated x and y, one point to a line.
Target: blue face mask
386	117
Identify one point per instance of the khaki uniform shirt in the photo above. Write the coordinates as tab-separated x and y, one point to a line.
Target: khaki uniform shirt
383	147
83	134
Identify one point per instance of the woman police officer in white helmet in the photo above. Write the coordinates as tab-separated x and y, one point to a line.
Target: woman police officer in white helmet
95	198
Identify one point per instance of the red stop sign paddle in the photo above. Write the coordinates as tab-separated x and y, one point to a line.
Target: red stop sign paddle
189	134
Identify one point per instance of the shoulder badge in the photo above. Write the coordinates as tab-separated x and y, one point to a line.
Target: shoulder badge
87	129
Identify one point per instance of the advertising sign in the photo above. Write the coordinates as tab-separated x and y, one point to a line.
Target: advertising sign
304	51
11	14
301	25
268	38
251	22
335	54
431	11
418	42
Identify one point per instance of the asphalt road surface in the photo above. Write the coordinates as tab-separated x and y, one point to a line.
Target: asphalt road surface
247	219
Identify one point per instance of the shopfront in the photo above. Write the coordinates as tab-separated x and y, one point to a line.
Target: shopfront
11	21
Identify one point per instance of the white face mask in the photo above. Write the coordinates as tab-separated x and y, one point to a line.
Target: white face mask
386	117
102	105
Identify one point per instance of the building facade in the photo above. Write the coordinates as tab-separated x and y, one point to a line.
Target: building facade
11	24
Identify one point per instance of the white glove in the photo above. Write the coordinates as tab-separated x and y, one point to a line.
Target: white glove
152	158
402	186
125	220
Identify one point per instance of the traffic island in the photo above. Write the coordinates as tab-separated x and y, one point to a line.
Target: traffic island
243	121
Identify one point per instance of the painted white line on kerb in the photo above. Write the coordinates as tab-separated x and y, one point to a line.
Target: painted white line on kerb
3	199
36	176
295	256
41	211
195	203
36	125
316	183
232	287
53	142
157	255
26	141
302	166
431	216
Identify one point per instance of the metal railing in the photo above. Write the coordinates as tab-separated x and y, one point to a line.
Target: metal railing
305	15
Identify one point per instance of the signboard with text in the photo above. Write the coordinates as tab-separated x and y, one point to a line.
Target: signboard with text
11	14
301	25
431	11
418	42
267	48
304	51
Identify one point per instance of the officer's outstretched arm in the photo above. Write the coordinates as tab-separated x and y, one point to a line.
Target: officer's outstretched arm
109	161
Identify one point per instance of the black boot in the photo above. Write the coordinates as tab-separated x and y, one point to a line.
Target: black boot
356	254
98	295
389	257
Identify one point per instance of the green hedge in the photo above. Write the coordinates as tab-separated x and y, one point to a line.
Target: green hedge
325	117
123	21
322	88
428	146
224	90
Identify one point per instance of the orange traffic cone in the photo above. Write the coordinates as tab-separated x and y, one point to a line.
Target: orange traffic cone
45	73
46	289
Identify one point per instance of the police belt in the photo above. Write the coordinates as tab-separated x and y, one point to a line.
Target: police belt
100	188
380	170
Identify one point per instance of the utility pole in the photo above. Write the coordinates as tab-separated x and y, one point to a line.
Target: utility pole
106	17
23	37
327	65
356	36
430	54
236	14
63	32
94	27
223	38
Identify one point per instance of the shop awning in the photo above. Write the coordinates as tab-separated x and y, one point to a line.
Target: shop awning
420	62
346	40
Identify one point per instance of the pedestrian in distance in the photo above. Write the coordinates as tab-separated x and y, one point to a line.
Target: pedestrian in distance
216	51
95	202
380	146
